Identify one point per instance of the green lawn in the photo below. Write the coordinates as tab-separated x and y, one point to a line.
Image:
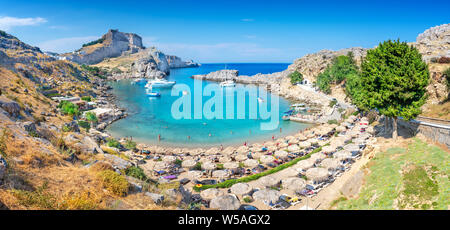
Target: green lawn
412	178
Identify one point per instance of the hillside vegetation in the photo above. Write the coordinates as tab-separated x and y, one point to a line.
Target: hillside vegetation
409	176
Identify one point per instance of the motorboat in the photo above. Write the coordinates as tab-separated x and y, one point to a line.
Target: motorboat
154	94
160	83
228	83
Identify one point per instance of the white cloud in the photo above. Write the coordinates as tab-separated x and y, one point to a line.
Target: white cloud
64	45
247	19
6	23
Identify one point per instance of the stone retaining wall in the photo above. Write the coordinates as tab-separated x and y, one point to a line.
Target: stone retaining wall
436	132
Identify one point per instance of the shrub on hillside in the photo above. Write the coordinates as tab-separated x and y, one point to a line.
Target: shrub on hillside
296	77
94	42
336	72
114	182
68	108
136	172
112	143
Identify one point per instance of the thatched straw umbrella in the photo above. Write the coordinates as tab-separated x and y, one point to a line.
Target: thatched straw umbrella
211	193
336	143
317	157
304	144
251	163
353	148
241	189
289	138
291	172
331	164
310	135
242	149
272	148
226	202
257	155
294	184
313	141
292	149
317	174
267	196
283	145
224	159
194	174
301	137
189	164
169	159
196	152
160	165
209	166
231	165
266	159
282	153
329	149
342	155
293	141
305	164
241	157
268	181
212	151
341	128
365	136
370	130
221	174
322	142
228	151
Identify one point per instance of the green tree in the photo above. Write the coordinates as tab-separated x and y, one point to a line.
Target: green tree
296	77
394	80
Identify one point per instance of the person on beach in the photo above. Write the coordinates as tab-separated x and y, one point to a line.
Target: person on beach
159	137
280	130
221	147
273	137
189	137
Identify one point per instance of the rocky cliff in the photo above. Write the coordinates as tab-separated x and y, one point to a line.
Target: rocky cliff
176	62
110	45
152	64
311	65
434	43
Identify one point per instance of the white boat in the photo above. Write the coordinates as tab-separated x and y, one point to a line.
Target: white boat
153	94
229	83
260	100
160	83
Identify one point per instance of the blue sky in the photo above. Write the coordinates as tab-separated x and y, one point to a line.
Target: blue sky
224	31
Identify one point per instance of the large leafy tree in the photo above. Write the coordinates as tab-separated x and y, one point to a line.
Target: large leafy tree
394	80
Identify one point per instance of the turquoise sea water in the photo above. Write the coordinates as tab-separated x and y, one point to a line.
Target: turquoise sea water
150	117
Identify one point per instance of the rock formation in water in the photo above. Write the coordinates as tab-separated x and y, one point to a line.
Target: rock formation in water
177	62
152	64
112	44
